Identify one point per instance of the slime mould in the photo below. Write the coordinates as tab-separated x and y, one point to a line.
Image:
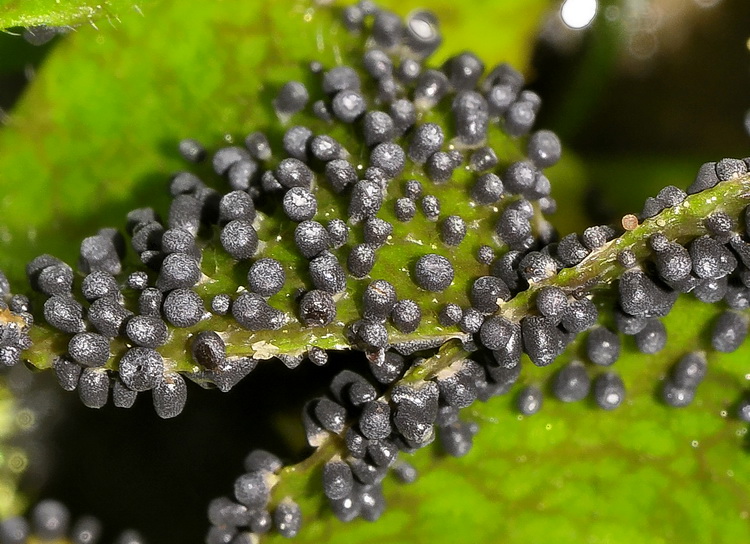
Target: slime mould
411	239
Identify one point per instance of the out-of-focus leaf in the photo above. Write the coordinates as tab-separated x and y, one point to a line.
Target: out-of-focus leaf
13	459
65	13
623	183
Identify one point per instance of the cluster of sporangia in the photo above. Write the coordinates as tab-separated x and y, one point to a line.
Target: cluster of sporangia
371	418
50	522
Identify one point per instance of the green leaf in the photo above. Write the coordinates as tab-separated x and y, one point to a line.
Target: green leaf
114	177
66	13
575	473
572	463
101	123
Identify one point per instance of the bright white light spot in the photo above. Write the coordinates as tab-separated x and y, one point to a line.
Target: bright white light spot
578	13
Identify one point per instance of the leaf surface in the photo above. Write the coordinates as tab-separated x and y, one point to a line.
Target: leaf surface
66	13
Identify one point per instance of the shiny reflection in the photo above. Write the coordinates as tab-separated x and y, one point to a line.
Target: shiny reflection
578	13
422	32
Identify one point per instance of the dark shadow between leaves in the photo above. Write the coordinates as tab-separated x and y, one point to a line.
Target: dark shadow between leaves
132	469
